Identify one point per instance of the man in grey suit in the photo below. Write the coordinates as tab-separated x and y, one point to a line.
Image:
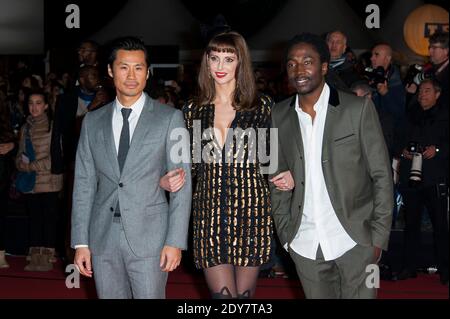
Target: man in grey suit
333	212
123	229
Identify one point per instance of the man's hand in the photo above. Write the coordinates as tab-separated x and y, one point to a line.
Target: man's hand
170	258
411	88
430	152
377	254
382	88
284	181
82	261
406	154
101	98
5	148
173	181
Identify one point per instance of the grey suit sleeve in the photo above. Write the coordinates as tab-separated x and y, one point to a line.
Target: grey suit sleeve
85	187
178	155
281	200
379	168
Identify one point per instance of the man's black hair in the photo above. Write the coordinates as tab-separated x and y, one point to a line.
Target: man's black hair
93	43
439	37
319	45
128	44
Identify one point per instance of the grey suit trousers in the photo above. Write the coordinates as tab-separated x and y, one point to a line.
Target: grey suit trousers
119	274
342	278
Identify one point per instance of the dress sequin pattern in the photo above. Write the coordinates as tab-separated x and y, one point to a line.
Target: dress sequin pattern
231	201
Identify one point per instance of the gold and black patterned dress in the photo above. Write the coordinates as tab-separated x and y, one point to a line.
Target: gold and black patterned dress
231	201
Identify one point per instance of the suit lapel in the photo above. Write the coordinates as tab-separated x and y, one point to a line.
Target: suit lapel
295	126
331	119
142	127
108	136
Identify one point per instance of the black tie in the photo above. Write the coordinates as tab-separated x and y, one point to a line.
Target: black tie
124	145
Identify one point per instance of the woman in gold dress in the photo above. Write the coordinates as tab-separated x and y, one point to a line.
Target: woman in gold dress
232	225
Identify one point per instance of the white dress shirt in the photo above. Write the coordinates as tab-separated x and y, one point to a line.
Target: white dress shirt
117	123
117	118
319	224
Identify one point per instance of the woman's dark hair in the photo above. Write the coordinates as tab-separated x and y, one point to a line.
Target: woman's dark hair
245	91
49	110
319	45
128	44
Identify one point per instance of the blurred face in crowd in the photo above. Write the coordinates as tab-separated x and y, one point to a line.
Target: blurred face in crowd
26	82
89	80
222	67
37	105
437	53
87	53
428	95
305	70
130	73
337	43
381	56
21	96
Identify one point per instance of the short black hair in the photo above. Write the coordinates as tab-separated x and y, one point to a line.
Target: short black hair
129	44
319	45
93	43
86	69
439	37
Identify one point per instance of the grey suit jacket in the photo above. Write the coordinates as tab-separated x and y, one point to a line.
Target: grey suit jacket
355	165
148	220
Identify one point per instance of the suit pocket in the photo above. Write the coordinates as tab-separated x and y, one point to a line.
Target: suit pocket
345	139
157	208
151	141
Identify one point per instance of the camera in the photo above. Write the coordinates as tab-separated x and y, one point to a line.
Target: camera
375	76
415	174
417	73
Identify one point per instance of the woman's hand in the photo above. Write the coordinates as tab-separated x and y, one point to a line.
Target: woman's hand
284	181
173	181
23	167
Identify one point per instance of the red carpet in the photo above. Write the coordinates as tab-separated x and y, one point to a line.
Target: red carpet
15	283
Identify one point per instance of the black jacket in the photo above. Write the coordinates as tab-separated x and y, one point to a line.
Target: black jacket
428	127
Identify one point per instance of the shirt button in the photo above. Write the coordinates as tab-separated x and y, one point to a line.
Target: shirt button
120	184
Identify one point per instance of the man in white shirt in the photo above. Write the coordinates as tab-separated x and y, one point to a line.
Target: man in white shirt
124	231
334	214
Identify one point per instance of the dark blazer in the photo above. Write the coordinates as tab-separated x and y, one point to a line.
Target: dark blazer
355	165
428	127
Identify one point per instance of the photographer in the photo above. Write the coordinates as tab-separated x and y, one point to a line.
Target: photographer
390	93
438	50
424	177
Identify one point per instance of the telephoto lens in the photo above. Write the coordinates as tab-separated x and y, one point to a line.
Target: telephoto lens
415	174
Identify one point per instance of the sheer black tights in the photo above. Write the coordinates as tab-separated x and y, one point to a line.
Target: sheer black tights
228	281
